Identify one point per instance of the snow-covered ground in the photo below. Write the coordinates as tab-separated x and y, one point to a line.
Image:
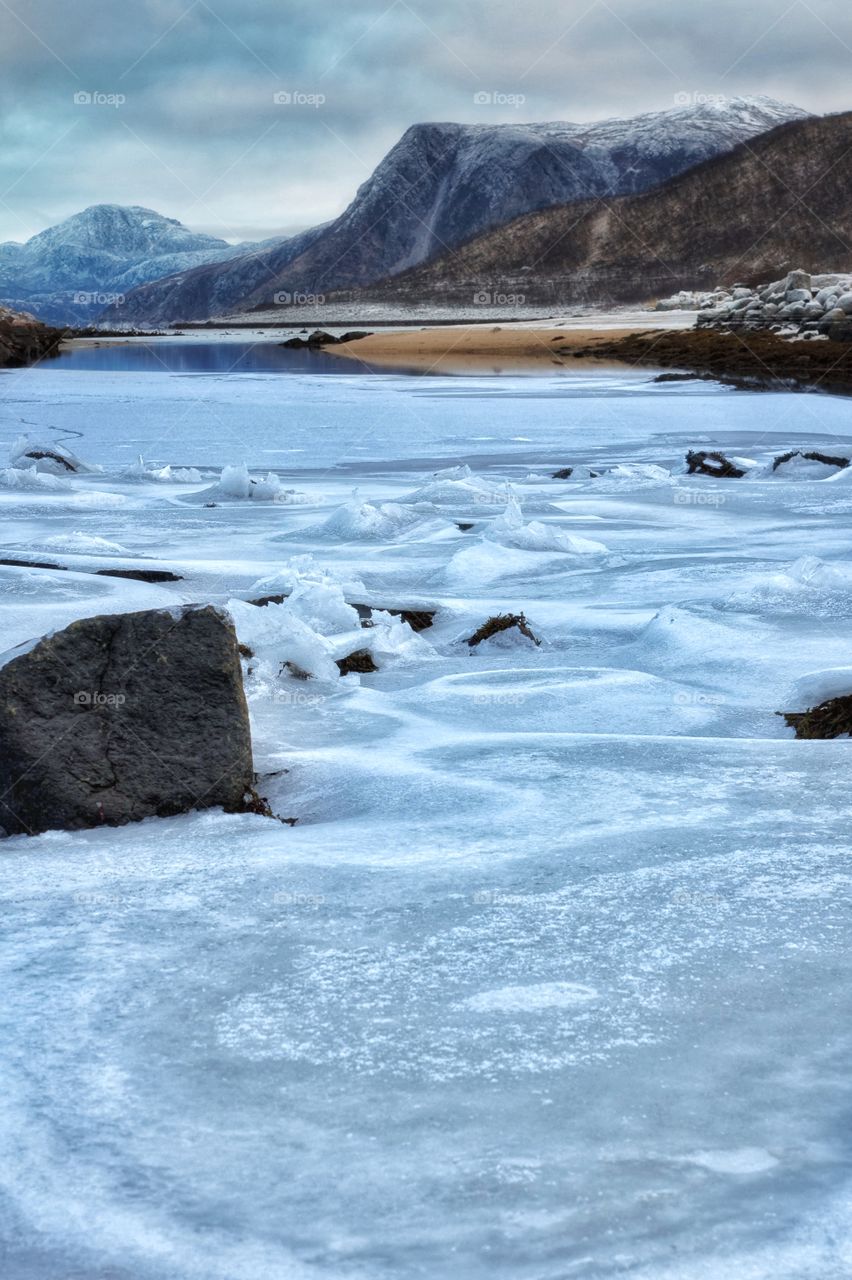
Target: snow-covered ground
552	977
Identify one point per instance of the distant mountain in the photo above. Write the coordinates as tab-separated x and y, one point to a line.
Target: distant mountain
443	183
64	274
777	202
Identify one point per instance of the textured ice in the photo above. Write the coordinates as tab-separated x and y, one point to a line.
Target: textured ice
550	978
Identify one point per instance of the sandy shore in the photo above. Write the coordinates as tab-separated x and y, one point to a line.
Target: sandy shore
474	348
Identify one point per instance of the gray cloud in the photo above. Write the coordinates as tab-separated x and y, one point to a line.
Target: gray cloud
200	136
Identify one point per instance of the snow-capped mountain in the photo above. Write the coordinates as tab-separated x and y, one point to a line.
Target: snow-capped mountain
67	273
442	184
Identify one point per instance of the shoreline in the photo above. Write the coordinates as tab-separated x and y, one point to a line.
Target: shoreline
757	360
477	348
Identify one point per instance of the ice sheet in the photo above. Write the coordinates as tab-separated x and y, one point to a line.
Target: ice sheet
551	977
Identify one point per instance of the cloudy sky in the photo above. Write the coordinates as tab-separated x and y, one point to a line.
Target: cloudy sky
250	118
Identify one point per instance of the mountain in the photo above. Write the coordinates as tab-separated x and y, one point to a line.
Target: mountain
776	202
107	249
444	183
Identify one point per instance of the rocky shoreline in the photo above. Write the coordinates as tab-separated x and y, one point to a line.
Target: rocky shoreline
801	303
23	339
751	360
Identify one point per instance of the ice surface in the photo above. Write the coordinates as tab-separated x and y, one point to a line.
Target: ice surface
550	979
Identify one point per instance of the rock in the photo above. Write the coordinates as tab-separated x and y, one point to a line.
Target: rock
838	330
122	717
798	295
831	719
503	622
319	338
141	575
813	311
828	459
798	280
361	662
844	303
712	464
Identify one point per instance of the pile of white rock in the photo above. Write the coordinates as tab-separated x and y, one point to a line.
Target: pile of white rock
686	300
811	306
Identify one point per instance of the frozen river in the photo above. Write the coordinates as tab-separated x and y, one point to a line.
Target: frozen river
552	977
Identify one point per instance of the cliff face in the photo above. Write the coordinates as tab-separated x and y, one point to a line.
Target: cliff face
24	339
776	202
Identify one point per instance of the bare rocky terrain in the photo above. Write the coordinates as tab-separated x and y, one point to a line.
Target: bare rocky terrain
775	203
24	339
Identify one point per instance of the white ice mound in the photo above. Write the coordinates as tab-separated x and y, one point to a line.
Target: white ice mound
276	635
163	475
678	638
384	521
392	640
29	480
460	487
798	467
312	629
321	606
303	569
83	543
47	457
235	484
810	571
510	531
645	472
818	686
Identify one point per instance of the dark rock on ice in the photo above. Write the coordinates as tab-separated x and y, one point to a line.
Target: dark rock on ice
502	622
361	662
831	719
712	464
122	717
829	459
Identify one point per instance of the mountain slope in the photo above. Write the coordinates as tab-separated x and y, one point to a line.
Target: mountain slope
443	183
776	202
105	249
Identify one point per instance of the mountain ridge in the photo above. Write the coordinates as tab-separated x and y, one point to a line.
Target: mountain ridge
442	183
740	214
106	249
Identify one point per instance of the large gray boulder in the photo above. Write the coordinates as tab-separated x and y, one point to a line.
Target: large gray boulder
122	717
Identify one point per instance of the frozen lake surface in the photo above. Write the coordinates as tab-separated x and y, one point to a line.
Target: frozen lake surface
552	977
